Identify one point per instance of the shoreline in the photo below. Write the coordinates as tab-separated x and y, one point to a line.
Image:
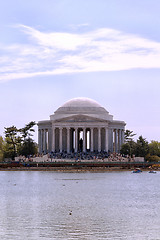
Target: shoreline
85	166
69	169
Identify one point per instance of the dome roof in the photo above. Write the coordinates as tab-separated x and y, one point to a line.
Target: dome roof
81	106
81	102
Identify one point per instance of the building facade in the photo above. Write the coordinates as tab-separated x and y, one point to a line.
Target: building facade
80	125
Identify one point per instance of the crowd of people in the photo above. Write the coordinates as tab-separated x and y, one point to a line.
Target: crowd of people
79	156
110	157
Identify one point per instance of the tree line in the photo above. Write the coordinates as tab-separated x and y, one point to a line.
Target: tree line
18	141
140	147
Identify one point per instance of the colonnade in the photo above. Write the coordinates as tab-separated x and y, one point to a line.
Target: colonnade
80	139
44	142
117	139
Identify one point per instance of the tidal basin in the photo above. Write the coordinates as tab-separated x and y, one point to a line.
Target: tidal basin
81	205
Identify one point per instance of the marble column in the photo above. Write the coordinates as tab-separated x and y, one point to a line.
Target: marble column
122	136
53	140
60	139
115	140
91	140
119	140
106	139
49	140
45	142
111	140
76	139
46	134
84	139
38	136
39	140
99	139
68	140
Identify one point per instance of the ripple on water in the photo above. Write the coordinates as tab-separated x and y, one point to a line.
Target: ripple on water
117	205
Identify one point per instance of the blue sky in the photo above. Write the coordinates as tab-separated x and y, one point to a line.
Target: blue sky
55	50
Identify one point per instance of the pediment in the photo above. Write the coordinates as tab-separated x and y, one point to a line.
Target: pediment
80	118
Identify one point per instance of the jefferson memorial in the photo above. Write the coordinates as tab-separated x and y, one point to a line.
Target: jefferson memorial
80	125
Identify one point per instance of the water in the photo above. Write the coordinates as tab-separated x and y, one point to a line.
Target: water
56	205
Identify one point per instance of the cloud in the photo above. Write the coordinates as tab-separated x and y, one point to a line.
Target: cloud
50	53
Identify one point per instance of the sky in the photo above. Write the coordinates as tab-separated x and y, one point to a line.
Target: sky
54	50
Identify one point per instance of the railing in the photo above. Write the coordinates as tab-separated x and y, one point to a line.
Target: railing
80	164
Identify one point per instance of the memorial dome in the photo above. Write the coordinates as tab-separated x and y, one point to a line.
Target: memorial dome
81	102
81	106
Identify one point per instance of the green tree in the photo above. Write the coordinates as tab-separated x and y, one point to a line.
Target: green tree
142	147
29	147
19	141
128	135
128	148
12	142
1	148
154	148
26	131
152	158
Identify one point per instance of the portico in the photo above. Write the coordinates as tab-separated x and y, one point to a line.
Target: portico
80	125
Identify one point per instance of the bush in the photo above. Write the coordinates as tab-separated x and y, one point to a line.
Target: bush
152	158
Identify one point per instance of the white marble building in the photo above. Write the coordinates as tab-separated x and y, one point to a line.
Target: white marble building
80	124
